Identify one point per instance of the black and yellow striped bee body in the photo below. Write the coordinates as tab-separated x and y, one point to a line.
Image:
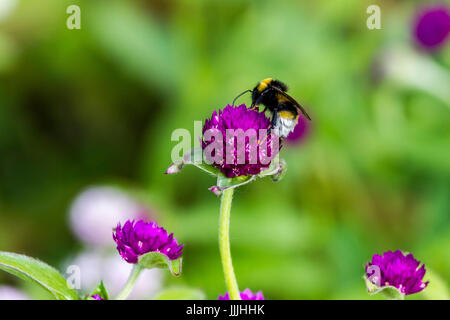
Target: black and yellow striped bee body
272	95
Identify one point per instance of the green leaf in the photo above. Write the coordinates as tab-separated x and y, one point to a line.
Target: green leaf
276	170
391	293
388	292
195	158
158	260
38	272
181	293
224	183
101	291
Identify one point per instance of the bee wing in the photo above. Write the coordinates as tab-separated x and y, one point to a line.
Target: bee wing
293	101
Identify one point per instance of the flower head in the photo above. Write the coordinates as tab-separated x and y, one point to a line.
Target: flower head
397	270
247	294
250	122
97	297
432	26
137	238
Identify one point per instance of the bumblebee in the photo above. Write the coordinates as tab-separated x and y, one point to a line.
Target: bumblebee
272	95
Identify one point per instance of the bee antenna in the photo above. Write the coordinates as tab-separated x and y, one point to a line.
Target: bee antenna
239	96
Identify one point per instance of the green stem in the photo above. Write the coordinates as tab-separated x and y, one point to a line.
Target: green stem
224	244
134	275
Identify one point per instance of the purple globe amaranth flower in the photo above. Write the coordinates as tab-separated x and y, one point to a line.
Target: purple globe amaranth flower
300	131
258	149
137	238
432	26
247	294
397	270
97	297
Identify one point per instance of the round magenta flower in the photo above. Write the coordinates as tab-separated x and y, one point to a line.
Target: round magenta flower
137	238
432	26
397	270
300	131
247	294
250	121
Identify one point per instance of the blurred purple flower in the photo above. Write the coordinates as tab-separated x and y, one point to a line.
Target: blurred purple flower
97	265
432	26
397	270
137	238
247	294
240	117
96	211
97	297
300	131
11	293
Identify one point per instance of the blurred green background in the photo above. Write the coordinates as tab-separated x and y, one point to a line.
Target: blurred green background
98	106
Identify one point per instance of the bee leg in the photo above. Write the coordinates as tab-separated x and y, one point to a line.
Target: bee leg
281	143
256	103
274	120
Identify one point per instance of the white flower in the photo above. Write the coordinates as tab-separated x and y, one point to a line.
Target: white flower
97	210
11	293
6	8
96	266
